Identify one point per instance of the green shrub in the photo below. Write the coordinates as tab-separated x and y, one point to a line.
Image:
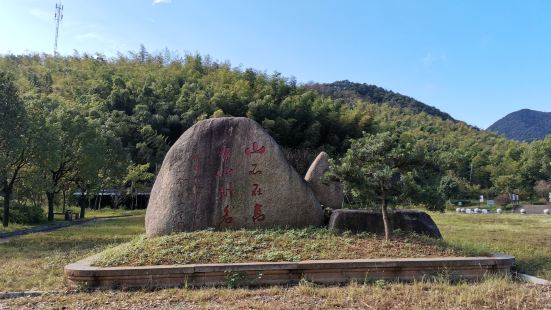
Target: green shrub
25	214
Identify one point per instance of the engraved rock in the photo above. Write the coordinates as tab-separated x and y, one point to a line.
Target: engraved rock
328	193
228	173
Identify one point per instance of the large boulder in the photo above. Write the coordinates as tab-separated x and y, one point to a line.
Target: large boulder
372	221
228	173
329	193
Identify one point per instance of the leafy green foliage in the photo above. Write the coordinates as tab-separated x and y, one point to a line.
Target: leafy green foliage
26	214
351	92
395	166
93	118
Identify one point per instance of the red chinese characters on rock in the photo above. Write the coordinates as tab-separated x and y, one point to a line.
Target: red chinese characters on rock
224	192
225	153
258	215
257	190
227	218
196	165
255	170
255	149
224	172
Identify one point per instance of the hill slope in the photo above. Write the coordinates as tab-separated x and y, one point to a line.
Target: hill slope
524	125
351	91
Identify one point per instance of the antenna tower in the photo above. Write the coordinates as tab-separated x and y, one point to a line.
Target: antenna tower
58	17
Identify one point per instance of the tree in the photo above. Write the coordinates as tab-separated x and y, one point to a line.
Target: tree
138	177
543	188
14	142
392	167
67	144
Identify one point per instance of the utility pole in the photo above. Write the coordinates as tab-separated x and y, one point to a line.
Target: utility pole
58	17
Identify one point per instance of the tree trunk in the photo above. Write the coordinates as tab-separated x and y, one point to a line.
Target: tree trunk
50	196
82	204
99	200
64	200
7	198
385	219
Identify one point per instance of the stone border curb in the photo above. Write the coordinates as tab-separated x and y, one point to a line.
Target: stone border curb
82	275
531	279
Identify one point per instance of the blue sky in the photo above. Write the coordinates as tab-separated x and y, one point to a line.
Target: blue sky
477	60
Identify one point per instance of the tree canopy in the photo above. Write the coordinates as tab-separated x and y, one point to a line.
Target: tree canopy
95	120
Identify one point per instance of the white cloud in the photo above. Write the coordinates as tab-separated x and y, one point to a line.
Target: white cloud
161	1
42	15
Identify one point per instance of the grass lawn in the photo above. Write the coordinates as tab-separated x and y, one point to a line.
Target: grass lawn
13	227
528	238
490	294
267	246
36	262
106	212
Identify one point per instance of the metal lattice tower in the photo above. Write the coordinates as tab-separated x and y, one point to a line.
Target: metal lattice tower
58	17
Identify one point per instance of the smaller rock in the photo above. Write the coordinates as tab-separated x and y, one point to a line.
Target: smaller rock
522	211
546	212
499	211
372	221
329	194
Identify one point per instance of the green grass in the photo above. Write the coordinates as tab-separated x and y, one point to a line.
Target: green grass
528	238
36	261
106	212
266	245
13	227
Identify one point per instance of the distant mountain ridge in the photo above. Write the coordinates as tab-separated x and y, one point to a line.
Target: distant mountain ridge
524	125
350	91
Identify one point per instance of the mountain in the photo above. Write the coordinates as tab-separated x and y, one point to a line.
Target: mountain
524	125
350	91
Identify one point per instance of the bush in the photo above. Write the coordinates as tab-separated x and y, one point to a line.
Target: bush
25	214
503	199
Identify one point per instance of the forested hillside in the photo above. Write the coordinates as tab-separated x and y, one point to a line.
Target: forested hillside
524	125
350	92
86	122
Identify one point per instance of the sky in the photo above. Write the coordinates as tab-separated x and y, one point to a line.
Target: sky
476	60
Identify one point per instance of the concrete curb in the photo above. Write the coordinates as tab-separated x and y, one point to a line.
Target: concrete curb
82	275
